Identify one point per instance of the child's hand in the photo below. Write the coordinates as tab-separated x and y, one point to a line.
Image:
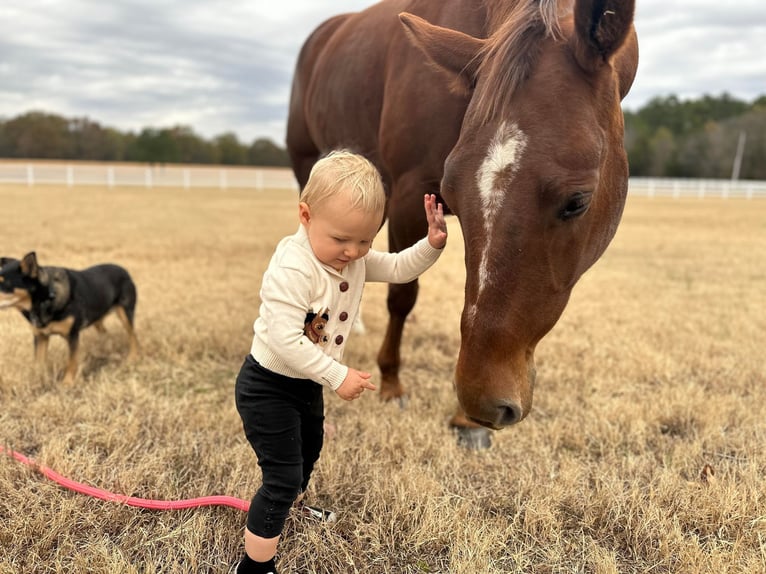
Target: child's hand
437	227
354	384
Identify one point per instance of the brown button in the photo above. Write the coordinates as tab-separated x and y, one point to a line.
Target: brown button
343	316
338	339
344	286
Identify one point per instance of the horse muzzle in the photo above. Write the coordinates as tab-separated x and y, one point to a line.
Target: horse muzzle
495	399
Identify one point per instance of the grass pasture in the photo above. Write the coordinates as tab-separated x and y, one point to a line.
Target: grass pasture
655	370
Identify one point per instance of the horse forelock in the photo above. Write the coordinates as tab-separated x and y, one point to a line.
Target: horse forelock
516	31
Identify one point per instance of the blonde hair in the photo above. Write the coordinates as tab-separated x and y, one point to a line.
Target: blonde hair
342	171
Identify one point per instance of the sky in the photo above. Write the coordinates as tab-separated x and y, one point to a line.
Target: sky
223	67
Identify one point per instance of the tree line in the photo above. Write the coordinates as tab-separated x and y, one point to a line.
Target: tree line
697	138
667	137
40	135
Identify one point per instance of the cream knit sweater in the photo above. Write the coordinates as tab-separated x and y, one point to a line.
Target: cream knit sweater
297	283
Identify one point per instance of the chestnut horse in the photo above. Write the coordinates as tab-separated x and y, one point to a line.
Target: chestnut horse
510	111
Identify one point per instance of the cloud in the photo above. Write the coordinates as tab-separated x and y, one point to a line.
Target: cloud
699	48
227	66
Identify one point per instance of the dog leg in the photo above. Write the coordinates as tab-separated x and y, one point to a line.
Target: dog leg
41	348
128	324
71	367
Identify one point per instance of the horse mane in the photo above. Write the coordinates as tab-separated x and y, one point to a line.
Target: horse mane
516	32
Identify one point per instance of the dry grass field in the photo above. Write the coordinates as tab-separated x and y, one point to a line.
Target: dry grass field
655	370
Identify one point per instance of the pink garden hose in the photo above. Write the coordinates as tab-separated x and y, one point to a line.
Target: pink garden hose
217	500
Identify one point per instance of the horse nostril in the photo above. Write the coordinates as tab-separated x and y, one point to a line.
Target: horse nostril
508	414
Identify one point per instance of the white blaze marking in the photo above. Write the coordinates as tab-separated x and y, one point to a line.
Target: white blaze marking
502	159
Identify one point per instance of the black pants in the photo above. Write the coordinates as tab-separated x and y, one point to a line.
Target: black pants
283	420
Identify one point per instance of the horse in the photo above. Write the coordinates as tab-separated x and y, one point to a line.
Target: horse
510	111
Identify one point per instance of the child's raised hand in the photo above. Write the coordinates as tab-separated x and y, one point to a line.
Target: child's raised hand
437	227
354	384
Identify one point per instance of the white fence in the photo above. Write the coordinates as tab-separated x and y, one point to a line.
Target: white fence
71	174
699	188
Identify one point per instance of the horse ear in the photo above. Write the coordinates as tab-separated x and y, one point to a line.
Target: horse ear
454	53
601	28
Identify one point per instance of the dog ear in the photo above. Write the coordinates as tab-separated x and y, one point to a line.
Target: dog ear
29	266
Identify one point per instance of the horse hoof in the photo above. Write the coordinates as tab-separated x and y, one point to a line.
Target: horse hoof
403	401
474	438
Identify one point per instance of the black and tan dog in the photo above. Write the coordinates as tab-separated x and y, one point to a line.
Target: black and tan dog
60	301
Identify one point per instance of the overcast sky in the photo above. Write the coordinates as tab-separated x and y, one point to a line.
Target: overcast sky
226	66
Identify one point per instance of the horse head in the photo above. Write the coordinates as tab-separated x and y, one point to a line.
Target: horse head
538	179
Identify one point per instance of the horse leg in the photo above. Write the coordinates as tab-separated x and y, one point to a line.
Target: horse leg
406	225
401	300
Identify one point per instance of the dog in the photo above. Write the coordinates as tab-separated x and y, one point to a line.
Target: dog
61	301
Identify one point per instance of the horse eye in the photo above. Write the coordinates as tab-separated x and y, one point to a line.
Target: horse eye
576	205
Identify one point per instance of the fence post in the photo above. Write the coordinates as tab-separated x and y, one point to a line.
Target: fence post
187	179
259	180
148	179
30	175
69	175
222	179
110	177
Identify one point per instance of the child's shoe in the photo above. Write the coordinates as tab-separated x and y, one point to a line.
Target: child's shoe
316	513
